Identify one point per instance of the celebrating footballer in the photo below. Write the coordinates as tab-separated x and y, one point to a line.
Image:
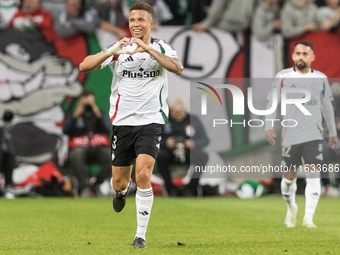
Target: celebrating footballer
138	108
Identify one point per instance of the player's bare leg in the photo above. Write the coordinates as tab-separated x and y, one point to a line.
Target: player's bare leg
312	194
288	189
144	196
120	183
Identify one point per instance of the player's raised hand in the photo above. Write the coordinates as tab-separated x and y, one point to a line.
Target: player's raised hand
125	41
270	135
333	142
118	47
141	46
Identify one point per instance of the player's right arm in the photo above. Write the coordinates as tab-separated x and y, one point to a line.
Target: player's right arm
328	113
93	62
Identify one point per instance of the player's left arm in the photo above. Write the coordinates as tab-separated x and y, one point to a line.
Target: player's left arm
328	113
173	65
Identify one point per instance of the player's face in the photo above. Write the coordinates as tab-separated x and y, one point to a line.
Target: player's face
140	23
303	56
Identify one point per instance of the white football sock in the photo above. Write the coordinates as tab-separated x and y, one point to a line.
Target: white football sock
312	194
288	189
144	200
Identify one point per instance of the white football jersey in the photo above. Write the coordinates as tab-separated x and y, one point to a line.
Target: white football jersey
309	127
139	86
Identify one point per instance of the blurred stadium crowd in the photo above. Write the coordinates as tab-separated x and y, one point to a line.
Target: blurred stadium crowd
291	17
56	19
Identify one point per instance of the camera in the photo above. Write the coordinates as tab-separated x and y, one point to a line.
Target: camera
8	116
88	110
89	118
180	149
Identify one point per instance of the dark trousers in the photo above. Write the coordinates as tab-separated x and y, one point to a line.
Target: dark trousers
7	161
7	164
79	157
166	158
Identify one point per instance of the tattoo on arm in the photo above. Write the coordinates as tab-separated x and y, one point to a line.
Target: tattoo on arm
161	55
174	61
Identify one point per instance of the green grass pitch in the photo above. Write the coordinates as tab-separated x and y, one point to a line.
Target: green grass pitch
202	225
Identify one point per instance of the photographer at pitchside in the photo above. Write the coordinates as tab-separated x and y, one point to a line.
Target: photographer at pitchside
88	129
183	140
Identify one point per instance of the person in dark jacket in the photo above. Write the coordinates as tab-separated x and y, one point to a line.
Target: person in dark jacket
77	19
183	140
88	130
